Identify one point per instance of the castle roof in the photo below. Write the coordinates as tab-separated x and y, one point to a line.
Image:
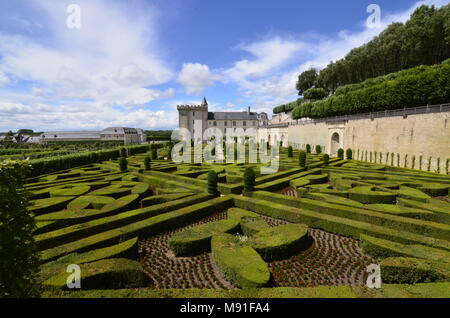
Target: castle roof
232	116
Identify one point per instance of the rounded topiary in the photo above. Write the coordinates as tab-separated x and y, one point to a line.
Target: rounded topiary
326	159
249	180
302	158
123	164
154	154
340	153
318	149
147	163
308	148
123	152
349	154
290	152
212	182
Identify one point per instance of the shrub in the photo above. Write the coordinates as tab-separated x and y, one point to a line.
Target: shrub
18	251
302	158
123	164
212	182
290	152
314	93
387	95
147	163
249	180
349	154
154	154
308	148
123	152
238	263
325	159
318	149
340	153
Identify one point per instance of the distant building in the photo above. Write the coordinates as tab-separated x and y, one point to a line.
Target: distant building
127	135
188	114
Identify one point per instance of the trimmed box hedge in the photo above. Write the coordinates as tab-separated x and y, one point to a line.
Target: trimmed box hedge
239	263
149	226
108	273
334	224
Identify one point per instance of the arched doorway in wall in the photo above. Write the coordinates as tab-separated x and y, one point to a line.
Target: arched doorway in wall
335	144
283	139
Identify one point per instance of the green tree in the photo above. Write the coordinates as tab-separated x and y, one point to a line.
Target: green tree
290	152
19	261
249	180
308	148
340	153
302	158
325	159
123	152
154	154
212	182
306	80
318	149
147	163
349	154
123	164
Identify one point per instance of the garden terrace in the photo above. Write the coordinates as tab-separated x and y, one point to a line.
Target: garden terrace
315	226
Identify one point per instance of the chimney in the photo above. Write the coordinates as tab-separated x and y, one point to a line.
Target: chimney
249	110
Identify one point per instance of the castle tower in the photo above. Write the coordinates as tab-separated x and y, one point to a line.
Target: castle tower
188	114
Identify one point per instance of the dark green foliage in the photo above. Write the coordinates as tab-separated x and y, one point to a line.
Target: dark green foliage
302	158
406	90
123	152
423	40
308	148
154	154
147	163
169	153
326	159
314	94
249	180
123	164
306	80
349	154
18	251
290	152
340	153
318	149
52	164
212	182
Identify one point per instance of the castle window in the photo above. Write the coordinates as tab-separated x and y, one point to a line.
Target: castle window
245	123
215	123
193	114
226	123
234	123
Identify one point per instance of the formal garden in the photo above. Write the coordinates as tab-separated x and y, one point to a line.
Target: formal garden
140	225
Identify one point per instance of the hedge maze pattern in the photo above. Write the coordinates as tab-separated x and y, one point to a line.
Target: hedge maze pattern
320	224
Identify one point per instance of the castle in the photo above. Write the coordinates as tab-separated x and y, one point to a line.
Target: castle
189	114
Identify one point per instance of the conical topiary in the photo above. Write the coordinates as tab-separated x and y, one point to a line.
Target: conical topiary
249	180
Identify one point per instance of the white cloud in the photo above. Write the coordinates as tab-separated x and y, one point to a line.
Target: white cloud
110	59
196	77
81	116
269	77
3	79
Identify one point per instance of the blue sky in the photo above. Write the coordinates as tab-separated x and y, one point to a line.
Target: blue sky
131	62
